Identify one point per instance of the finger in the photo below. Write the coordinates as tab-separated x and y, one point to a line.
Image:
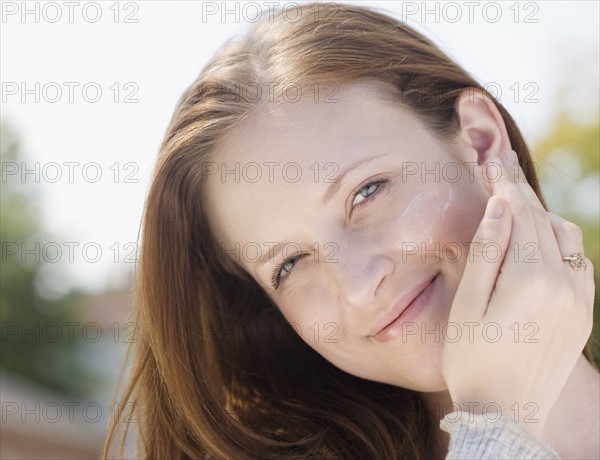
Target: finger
517	175
486	254
570	241
523	231
547	246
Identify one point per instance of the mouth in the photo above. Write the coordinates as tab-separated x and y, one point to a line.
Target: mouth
390	323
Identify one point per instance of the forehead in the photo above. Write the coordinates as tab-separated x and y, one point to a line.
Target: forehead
267	177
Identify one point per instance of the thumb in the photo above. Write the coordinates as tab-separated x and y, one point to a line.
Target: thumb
484	260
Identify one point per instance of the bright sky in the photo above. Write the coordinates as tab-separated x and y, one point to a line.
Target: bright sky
531	47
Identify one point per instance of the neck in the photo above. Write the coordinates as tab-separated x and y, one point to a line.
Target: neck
439	404
573	426
578	406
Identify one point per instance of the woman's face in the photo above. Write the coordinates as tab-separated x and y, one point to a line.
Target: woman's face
355	251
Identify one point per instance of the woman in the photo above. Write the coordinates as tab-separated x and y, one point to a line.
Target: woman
320	177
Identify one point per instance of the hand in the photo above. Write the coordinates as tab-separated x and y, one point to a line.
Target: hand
520	279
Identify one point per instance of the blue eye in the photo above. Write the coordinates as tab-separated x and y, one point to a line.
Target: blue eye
286	265
370	189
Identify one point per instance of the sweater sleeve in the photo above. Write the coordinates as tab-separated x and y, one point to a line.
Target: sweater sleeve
474	436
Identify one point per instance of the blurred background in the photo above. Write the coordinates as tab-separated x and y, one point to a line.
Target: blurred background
87	92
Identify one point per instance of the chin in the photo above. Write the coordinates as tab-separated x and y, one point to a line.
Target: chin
429	382
432	385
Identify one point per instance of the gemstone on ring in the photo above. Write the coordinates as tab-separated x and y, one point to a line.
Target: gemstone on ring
576	260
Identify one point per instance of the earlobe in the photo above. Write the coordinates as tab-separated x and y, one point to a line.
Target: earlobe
482	125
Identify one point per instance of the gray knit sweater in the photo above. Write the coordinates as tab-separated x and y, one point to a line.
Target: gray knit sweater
484	438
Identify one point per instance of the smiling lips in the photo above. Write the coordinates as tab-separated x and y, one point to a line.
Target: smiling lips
419	295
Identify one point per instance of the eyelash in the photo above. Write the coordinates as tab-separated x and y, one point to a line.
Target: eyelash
276	278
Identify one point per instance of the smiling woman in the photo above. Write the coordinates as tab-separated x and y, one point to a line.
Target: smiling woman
317	276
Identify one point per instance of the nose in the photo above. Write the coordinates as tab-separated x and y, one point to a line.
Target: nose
359	271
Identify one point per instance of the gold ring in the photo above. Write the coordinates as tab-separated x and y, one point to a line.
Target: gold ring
576	260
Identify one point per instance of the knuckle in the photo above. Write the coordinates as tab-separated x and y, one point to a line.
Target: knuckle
485	231
520	208
484	254
589	266
573	230
541	216
477	249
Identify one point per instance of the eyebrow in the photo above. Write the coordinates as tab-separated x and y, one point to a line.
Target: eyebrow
335	186
337	182
270	253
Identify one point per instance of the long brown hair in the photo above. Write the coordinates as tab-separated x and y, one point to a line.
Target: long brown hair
217	371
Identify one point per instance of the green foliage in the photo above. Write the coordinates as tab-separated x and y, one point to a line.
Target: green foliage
29	344
569	160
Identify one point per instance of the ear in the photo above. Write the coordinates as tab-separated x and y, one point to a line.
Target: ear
483	132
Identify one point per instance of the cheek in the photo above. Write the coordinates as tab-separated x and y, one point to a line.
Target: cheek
315	315
419	220
462	219
437	218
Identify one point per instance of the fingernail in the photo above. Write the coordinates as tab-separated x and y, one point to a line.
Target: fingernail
494	209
